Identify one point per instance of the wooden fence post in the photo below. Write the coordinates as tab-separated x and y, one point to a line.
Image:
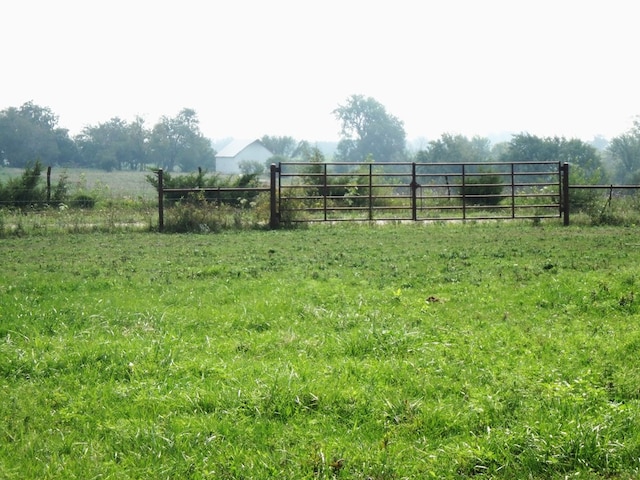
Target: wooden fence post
49	184
160	201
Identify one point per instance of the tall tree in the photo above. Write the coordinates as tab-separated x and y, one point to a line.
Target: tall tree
29	133
68	153
625	151
455	149
37	115
369	132
280	146
138	144
585	160
178	142
114	145
105	145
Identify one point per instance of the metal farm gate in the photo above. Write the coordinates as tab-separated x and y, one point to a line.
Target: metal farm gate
318	192
333	192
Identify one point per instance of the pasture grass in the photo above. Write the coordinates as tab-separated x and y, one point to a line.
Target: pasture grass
496	350
118	184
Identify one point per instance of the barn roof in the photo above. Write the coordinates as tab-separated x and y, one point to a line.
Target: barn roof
236	146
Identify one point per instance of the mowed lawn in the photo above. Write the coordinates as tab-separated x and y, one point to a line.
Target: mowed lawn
368	352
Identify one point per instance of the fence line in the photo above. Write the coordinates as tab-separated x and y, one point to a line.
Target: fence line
55	186
310	192
336	192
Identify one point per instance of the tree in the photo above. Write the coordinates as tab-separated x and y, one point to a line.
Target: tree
105	145
280	146
585	160
369	131
114	145
455	149
625	151
178	142
68	153
251	167
525	147
583	157
138	144
29	133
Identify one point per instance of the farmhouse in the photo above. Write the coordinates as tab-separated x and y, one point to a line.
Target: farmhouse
230	158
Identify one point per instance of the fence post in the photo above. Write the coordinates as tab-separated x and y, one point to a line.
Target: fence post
370	191
464	194
274	221
565	193
49	184
513	192
325	191
160	201
414	193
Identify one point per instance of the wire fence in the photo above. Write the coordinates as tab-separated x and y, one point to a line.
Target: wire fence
607	204
57	199
113	185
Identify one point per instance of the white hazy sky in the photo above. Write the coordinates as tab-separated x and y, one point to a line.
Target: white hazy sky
280	67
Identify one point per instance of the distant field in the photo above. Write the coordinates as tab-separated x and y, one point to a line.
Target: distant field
116	184
388	352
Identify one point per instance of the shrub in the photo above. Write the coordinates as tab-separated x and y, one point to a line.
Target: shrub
61	191
621	209
483	189
584	200
201	180
293	206
24	191
83	200
192	216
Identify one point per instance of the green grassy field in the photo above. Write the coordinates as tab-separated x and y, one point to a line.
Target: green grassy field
442	351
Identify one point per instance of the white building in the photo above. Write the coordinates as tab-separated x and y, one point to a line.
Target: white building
229	158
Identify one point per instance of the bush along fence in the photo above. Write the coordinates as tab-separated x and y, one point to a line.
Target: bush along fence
38	188
332	192
607	204
27	191
247	188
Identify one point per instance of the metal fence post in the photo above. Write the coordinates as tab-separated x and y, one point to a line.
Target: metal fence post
274	220
414	193
565	193
370	191
160	201
513	192
464	194
325	191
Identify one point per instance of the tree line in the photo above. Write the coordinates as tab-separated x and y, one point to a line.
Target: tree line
368	133
30	133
